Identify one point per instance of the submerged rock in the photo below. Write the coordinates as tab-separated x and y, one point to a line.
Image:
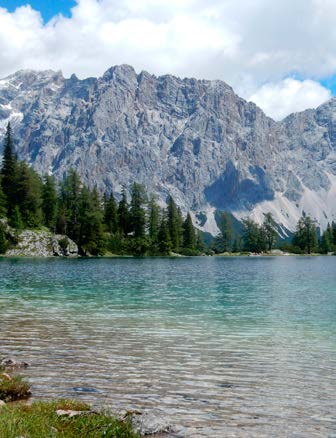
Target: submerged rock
151	423
13	363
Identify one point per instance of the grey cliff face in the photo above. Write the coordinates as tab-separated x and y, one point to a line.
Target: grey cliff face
193	139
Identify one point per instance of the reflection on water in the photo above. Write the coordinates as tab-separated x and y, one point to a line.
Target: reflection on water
224	346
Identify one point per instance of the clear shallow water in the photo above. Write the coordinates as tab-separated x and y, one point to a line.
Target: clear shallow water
223	346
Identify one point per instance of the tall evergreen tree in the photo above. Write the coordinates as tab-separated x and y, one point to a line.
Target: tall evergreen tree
29	195
49	202
333	228
174	225
69	203
165	245
137	215
9	172
123	213
91	233
253	236
200	245
270	232
16	219
111	214
3	209
3	240
189	238
326	243
153	223
223	241
305	237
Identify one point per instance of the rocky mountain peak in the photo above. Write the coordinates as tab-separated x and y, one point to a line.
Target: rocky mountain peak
194	139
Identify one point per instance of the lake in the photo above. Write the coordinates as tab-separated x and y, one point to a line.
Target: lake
241	346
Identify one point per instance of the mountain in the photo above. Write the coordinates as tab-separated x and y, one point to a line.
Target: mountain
194	139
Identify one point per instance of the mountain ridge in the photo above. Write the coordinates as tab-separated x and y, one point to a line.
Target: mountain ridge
194	139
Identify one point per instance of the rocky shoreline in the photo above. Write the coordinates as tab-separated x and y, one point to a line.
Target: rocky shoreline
14	388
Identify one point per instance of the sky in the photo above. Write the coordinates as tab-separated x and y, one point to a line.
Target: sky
280	54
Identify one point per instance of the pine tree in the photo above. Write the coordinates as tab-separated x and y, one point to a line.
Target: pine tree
29	195
68	212
174	225
253	236
223	242
153	223
3	240
111	214
270	232
16	219
49	202
3	209
123	213
9	172
333	228
91	240
137	215
305	237
200	245
325	244
165	245
189	238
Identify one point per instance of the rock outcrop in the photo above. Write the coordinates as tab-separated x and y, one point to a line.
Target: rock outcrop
42	244
194	139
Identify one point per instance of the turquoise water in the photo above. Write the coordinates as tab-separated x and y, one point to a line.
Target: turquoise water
222	346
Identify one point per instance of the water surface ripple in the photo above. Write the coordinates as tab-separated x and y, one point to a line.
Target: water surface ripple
241	347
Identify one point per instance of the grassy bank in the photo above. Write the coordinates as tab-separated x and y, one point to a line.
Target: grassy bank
41	420
62	418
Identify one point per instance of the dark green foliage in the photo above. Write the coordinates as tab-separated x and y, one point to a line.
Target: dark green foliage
174	224
117	243
49	202
165	245
189	237
200	245
68	220
110	214
254	237
3	209
3	240
16	219
91	238
9	172
29	196
63	243
153	225
270	233
224	240
305	237
137	215
123	214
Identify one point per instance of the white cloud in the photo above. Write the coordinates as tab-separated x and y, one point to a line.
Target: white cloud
288	96
251	44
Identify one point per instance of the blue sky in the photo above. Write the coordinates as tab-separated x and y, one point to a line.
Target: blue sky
48	8
282	58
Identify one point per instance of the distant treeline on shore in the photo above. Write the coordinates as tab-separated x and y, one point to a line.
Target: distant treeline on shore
99	224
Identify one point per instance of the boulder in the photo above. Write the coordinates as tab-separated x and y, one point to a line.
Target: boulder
13	363
151	423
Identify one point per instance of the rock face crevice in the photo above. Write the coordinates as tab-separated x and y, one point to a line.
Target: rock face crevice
194	139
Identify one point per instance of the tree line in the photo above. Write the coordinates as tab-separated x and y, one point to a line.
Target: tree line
258	238
97	224
137	226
